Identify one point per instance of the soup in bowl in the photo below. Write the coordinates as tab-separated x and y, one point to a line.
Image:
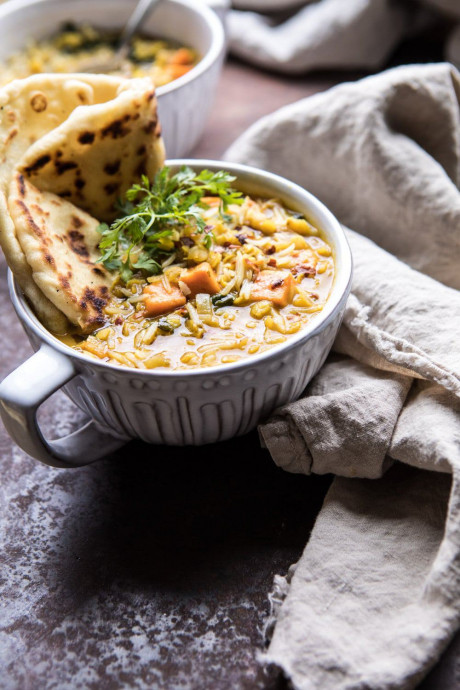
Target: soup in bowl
235	321
75	47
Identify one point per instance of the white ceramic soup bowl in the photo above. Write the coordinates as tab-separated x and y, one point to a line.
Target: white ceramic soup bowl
174	407
183	104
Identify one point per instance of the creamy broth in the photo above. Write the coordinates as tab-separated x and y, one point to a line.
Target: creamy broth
254	247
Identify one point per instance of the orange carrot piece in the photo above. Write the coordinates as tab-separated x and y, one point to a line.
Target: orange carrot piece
182	56
211	200
177	71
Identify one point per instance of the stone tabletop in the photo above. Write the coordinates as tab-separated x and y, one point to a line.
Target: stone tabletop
152	568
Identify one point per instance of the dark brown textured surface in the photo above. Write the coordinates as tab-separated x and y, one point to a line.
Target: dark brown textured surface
151	569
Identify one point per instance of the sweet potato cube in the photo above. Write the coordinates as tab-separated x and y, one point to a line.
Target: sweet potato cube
158	300
276	286
202	279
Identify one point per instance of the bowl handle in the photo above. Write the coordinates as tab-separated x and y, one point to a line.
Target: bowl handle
22	393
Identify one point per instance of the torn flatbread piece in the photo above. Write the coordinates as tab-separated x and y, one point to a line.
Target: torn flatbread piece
47	118
29	109
94	156
60	243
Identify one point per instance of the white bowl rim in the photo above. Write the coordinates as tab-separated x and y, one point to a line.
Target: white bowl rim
335	302
209	58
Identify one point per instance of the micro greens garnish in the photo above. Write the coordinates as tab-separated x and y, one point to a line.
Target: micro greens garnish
153	216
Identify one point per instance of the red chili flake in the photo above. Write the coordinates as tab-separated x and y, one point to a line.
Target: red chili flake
314	295
118	321
277	283
252	265
271	250
306	271
272	263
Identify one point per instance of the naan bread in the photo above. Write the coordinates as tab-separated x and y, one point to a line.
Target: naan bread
60	242
99	151
43	120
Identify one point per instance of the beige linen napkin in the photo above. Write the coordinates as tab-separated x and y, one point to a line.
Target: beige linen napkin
339	34
375	597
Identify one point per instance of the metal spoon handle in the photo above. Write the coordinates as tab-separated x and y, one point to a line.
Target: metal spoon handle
143	8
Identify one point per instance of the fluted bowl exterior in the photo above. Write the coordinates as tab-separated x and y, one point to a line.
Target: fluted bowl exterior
184	104
195	410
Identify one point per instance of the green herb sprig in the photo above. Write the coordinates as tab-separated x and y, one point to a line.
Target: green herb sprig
155	212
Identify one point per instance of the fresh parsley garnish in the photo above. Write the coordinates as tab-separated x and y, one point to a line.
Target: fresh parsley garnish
153	216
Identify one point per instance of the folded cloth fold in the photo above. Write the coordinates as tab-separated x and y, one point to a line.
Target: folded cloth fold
374	151
320	34
374	598
327	432
365	592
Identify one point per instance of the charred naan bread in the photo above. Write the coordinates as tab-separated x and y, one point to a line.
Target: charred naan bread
83	137
60	242
99	151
